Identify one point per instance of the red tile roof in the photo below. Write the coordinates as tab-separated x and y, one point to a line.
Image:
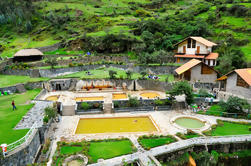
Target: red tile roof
245	74
212	56
189	56
187	66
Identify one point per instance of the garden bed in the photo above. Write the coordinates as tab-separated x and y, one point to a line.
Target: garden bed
229	128
148	142
188	135
94	150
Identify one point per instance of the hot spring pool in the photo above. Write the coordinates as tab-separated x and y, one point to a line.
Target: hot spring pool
189	123
115	125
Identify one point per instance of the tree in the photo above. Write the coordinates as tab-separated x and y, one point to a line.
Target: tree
143	74
52	62
234	105
129	74
182	87
112	74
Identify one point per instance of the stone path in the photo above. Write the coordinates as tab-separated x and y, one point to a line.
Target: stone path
35	114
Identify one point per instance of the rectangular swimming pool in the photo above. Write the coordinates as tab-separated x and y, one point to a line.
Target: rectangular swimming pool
115	125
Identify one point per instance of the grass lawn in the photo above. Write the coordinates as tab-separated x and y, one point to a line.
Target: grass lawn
230	128
188	135
9	80
151	142
104	73
70	149
214	110
62	51
9	118
106	150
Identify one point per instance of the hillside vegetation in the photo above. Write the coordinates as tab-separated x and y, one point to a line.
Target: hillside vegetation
138	28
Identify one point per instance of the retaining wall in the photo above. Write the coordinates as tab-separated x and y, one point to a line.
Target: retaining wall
26	154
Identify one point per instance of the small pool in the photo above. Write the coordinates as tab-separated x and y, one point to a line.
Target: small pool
189	123
149	95
118	96
96	98
52	98
115	125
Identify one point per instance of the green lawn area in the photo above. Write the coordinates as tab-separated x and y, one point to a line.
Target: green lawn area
151	142
230	128
104	73
214	110
9	118
188	135
9	80
70	149
63	51
106	150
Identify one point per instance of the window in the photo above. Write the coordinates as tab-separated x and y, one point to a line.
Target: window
241	82
206	70
189	43
194	44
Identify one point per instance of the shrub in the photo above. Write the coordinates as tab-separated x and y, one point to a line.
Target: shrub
85	106
159	102
133	101
71	65
96	105
112	74
46	119
234	105
116	104
50	112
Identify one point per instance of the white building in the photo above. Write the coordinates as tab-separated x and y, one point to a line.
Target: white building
196	48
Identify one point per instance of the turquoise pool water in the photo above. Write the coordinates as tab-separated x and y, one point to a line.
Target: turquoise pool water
189	123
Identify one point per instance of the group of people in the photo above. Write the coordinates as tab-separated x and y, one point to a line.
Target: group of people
153	77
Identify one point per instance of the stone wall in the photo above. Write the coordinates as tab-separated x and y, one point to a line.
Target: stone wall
225	95
196	75
31	85
219	147
30	72
24	156
201	85
231	87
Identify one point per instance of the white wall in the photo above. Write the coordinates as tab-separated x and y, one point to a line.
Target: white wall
192	51
196	75
231	87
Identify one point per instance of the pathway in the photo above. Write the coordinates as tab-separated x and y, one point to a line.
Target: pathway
35	114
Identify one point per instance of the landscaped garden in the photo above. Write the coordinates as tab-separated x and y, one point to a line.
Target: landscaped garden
94	150
229	128
188	135
148	142
10	80
9	118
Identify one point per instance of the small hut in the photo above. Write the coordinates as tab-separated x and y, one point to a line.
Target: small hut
27	55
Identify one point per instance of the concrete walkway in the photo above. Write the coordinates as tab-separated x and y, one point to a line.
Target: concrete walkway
35	114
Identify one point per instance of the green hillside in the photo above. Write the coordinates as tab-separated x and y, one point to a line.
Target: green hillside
134	26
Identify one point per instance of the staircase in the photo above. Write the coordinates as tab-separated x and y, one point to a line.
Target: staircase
108	108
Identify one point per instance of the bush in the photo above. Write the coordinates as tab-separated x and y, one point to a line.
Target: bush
159	102
46	119
71	65
96	105
112	74
85	106
234	105
50	112
116	104
133	102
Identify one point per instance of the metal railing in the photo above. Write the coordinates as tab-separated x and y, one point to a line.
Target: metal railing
23	140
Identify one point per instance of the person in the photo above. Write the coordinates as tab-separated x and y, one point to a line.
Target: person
13	105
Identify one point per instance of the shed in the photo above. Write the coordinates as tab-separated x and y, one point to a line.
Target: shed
27	55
